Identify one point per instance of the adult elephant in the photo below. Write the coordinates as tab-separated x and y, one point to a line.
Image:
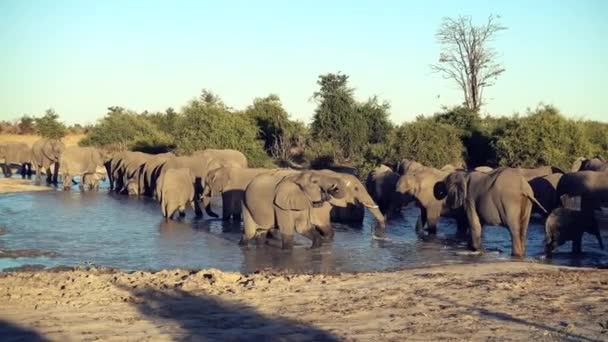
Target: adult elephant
569	225
152	169
47	152
420	187
131	170
597	163
215	158
286	202
16	154
590	186
381	185
80	161
540	171
231	183
408	166
545	191
501	197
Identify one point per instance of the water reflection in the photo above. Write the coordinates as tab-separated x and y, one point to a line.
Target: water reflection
128	233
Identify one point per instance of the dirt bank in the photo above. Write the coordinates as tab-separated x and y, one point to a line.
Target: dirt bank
16	184
504	301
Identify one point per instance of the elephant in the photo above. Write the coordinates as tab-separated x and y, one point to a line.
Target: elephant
285	201
216	158
92	180
175	192
597	163
152	169
569	225
451	168
16	153
46	152
590	186
408	166
545	191
501	197
231	182
420	187
540	171
484	169
132	170
354	196
381	185
79	161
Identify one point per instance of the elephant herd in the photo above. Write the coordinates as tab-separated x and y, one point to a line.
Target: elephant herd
280	202
503	196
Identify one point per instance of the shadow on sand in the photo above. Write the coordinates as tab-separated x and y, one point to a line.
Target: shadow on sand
11	332
202	318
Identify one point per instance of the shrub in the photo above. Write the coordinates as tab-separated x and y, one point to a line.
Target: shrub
428	142
205	125
49	126
543	137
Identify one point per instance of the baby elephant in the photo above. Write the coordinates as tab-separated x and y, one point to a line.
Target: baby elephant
91	180
569	225
175	190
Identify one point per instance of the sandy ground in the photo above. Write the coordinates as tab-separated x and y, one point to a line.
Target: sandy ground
68	140
17	184
489	302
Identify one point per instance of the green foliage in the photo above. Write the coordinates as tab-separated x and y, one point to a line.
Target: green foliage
125	129
208	123
348	125
271	119
49	125
26	125
428	142
596	134
543	137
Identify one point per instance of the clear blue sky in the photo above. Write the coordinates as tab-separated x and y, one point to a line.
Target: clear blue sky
80	57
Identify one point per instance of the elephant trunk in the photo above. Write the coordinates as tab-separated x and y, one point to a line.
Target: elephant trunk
380	227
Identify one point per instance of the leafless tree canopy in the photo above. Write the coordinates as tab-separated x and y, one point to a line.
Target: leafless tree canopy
467	58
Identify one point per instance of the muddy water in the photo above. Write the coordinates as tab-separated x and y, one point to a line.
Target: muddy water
103	229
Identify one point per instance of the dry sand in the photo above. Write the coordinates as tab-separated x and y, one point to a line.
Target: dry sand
68	140
489	302
17	184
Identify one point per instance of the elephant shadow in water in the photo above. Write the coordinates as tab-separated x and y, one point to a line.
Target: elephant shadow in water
12	332
200	317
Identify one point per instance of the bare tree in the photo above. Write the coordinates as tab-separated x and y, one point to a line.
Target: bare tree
466	58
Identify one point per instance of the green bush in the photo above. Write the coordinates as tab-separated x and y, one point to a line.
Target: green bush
543	137
125	129
428	142
210	124
49	126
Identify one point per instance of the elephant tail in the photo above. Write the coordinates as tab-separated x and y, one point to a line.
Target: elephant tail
535	201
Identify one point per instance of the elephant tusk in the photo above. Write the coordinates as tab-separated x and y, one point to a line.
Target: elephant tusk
371	206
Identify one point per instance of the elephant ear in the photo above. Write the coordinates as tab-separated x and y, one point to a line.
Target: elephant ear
289	196
440	190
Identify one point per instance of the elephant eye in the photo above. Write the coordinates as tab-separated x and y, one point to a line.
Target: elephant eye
356	188
314	181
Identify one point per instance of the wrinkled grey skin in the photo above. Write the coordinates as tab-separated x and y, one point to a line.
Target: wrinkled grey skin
420	187
231	183
539	172
79	161
484	169
285	200
46	152
175	192
569	225
16	154
352	214
132	172
597	163
381	184
151	171
354	195
501	197
590	186
408	166
200	163
545	191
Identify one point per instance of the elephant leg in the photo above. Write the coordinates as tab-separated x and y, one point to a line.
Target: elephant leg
55	173
23	171
577	244
421	222
517	249
163	208
286	220
249	227
197	207
432	217
81	185
37	169
475	243
67	182
226	206
182	211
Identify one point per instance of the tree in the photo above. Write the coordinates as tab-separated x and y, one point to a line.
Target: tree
26	125
336	118
466	57
49	125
